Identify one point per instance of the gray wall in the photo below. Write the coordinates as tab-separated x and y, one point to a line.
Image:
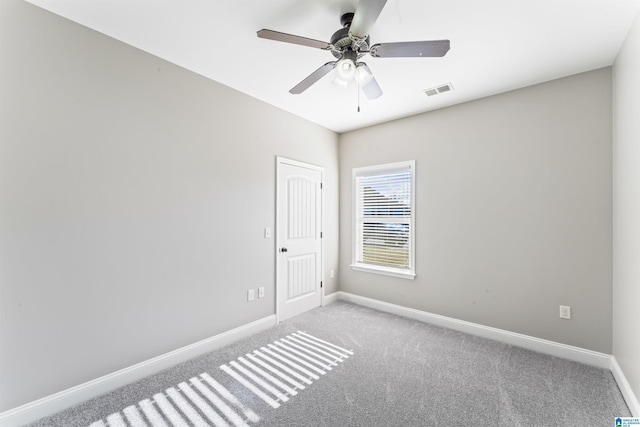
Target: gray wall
626	208
514	210
133	197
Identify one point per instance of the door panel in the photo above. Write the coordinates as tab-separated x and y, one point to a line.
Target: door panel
299	257
301	213
301	275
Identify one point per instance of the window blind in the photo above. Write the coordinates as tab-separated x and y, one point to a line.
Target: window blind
384	218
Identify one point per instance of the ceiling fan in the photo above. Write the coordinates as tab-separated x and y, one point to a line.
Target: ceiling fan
351	42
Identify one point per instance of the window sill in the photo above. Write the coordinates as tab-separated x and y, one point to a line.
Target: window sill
383	270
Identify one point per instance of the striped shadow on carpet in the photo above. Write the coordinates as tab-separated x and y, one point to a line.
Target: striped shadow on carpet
274	373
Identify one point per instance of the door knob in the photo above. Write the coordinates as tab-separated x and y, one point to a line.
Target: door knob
283	249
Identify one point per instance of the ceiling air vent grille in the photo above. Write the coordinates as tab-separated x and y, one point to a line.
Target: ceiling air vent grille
439	89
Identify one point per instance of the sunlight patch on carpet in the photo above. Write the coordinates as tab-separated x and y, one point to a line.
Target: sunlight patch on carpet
273	374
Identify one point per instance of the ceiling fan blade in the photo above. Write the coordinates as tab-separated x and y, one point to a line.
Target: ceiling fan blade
365	16
313	77
290	38
371	89
424	49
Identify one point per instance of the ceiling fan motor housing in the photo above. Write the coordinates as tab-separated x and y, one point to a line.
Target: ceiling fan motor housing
340	40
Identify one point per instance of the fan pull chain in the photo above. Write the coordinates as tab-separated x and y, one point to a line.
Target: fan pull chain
358	88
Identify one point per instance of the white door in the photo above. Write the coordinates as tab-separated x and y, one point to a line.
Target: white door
299	238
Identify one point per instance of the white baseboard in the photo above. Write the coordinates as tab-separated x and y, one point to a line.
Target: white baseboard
57	402
328	299
577	354
564	351
628	394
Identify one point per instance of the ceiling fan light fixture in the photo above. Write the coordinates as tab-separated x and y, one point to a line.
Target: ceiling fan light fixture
339	82
346	66
346	69
364	76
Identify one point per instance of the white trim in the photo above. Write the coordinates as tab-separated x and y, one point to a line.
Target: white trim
564	351
291	162
625	388
387	271
333	297
57	402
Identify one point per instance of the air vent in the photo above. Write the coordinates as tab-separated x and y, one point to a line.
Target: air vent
438	89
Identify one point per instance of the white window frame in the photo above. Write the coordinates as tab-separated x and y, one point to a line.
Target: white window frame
409	273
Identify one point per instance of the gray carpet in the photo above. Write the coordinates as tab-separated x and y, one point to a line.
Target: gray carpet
401	373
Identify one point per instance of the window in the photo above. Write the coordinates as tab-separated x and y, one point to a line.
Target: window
384	200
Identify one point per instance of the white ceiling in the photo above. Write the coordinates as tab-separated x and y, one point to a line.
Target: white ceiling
496	46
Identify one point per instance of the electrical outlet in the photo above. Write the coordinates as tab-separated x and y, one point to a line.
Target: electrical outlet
251	294
331	274
261	292
565	312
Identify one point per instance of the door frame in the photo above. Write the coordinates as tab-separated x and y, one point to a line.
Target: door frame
280	161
